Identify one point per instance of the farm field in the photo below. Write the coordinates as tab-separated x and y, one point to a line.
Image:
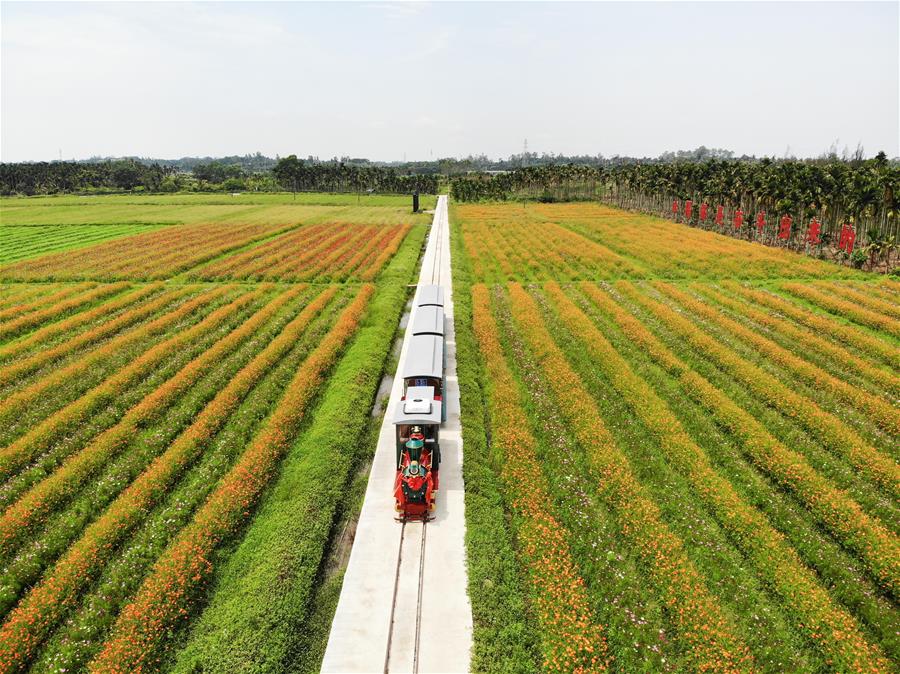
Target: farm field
574	241
170	413
681	449
26	241
203	238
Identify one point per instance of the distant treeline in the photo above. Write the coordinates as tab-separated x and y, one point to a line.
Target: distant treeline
862	192
288	173
53	177
298	175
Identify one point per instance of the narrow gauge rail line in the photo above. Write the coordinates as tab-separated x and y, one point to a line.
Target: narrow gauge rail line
404	605
406	526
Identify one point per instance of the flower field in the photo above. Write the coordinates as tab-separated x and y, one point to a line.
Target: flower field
266	239
22	242
574	241
704	431
156	389
329	252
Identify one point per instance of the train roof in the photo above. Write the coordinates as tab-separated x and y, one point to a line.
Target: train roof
425	357
430	295
419	407
429	320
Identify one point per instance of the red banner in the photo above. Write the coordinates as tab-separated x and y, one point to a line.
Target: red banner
688	208
815	228
738	218
720	215
784	231
760	221
848	238
675	207
703	209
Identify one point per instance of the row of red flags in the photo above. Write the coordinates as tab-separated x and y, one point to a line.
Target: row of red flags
813	231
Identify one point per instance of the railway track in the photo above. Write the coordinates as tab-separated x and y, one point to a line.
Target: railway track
403	605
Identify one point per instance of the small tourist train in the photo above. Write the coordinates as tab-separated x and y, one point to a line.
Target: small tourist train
421	411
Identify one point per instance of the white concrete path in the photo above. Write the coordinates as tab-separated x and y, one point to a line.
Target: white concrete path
404	605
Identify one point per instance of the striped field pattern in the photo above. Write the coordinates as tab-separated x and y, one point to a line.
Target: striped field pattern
717	458
156	385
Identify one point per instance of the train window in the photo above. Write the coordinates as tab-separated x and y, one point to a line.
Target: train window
434	383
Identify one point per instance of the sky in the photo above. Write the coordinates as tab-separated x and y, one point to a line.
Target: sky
394	81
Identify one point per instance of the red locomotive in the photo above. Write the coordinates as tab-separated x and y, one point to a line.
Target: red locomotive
417	478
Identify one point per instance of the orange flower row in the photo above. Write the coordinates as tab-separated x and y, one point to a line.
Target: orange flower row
152	255
840	332
773	557
30	510
21	293
257	260
25	366
880	411
801	338
881	290
31	621
830	430
22	308
333	251
572	638
37	439
388	250
516	241
57	310
833	507
844	308
710	640
169	592
506	241
863	295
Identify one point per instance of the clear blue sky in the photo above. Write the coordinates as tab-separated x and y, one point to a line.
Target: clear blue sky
388	80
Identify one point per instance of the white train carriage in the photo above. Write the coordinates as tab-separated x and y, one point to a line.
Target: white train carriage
430	296
421	411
